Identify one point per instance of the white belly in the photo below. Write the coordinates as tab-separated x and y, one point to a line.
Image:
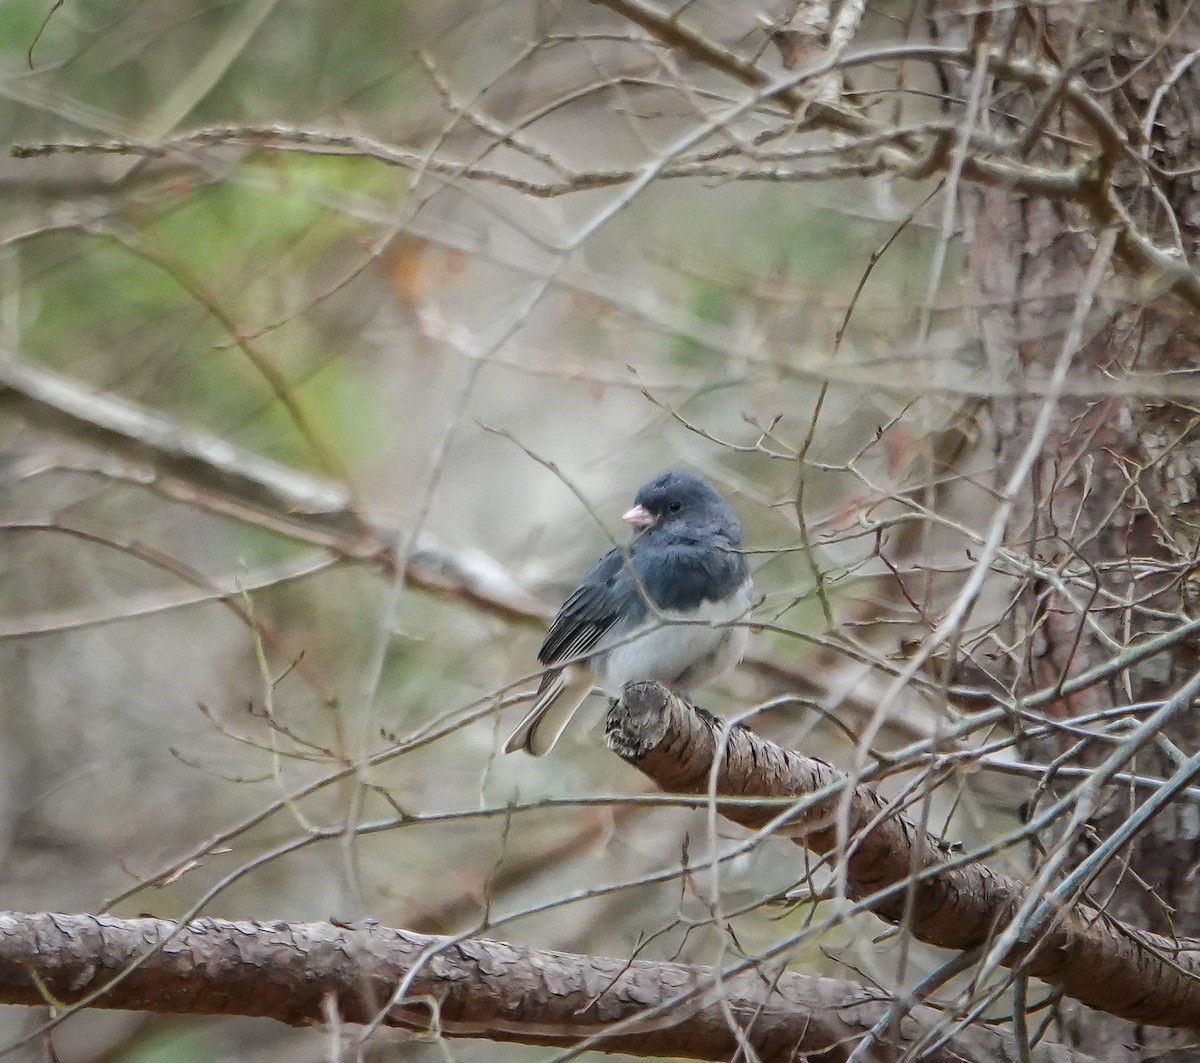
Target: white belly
688	654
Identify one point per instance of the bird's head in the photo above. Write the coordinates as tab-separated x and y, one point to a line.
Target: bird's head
679	501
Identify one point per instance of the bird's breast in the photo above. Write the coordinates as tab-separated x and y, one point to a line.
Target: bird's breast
685	647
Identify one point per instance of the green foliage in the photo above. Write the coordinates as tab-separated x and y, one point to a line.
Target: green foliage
709	302
20	24
230	255
180	1043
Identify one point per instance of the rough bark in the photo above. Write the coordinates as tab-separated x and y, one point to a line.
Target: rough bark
890	862
1115	485
308	973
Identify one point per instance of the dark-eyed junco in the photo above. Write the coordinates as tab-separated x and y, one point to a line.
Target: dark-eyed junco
663	608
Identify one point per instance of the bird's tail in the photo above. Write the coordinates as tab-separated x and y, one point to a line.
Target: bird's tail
557	701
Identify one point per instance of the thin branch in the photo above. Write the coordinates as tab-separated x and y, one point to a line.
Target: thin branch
1086	184
141	446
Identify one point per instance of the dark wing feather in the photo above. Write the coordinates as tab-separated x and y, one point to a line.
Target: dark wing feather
606	595
676	571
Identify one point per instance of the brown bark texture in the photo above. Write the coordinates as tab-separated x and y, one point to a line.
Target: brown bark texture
312	973
1113	486
891	863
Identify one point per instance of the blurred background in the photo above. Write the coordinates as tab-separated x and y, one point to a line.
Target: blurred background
441	322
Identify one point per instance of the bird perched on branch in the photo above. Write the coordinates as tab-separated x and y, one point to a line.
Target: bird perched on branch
665	607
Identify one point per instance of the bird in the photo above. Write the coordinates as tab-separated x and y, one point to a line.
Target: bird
622	623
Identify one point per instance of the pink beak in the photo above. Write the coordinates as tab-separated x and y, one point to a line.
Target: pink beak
640	517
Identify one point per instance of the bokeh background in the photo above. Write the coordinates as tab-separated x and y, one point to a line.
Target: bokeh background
480	375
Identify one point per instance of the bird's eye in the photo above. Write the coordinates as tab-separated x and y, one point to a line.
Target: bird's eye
675	507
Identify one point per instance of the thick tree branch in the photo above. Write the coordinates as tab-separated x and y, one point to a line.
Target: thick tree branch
954	903
293	972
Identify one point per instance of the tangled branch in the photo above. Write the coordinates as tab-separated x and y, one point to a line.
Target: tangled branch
898	870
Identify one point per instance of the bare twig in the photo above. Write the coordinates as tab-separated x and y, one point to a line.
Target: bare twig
147	448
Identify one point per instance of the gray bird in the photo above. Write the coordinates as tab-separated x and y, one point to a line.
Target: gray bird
622	623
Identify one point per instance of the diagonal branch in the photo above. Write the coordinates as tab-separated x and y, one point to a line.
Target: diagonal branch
128	442
956	903
294	972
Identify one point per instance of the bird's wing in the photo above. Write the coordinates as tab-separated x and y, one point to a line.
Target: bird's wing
606	595
674	573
